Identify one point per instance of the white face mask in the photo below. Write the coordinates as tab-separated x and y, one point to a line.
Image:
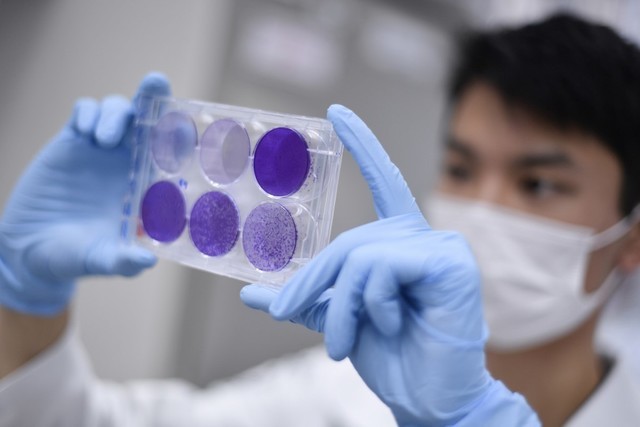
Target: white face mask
533	268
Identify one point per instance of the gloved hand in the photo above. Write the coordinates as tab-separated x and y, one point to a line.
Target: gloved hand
402	301
63	219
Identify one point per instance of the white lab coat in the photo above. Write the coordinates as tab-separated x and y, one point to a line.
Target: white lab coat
616	402
58	388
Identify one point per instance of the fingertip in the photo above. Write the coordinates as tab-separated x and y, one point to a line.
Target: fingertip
338	113
243	292
133	261
155	84
335	350
85	115
257	297
337	109
145	258
115	116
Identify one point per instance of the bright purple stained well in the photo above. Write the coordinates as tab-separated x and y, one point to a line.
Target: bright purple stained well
281	161
224	151
163	212
214	224
173	140
269	237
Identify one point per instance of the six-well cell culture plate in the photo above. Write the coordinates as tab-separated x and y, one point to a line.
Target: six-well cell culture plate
240	192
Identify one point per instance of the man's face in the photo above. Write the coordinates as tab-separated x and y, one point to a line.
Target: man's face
501	154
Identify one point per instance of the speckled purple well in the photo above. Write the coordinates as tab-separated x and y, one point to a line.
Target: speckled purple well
173	140
269	237
224	151
281	161
163	212
214	223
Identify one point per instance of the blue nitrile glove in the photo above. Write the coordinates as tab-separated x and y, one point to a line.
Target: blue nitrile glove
403	302
63	219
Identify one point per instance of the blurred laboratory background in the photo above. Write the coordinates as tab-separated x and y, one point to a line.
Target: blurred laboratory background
387	60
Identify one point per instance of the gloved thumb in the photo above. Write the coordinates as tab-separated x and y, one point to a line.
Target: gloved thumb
118	258
258	297
66	257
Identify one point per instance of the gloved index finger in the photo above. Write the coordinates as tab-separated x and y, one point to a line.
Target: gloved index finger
153	84
391	194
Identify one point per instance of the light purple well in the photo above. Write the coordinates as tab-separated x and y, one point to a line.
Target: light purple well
214	223
281	161
224	151
269	237
163	212
173	140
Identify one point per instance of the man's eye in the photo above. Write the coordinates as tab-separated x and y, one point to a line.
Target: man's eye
458	172
538	187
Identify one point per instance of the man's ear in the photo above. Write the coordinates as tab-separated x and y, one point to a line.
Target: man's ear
630	256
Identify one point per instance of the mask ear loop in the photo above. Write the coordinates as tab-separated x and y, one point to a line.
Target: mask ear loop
616	231
603	239
617	334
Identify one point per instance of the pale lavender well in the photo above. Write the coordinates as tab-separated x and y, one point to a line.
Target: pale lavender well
281	161
214	223
173	140
269	237
163	212
224	151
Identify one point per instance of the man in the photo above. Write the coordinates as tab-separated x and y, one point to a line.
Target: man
399	299
544	125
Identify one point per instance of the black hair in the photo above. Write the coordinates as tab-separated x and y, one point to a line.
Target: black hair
569	72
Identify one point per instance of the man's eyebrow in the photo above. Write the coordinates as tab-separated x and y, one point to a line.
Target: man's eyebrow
551	159
455	145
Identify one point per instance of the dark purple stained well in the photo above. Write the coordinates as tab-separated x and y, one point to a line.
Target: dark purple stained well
173	140
163	212
281	161
214	223
224	151
269	237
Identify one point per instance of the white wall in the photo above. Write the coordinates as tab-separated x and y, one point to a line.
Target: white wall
54	51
